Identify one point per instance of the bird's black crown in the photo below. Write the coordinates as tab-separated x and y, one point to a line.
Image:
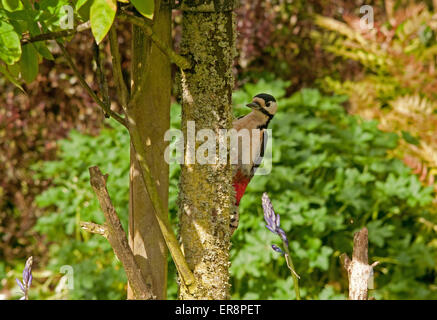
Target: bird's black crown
266	97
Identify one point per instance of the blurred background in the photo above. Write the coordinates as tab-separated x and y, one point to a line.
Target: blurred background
354	144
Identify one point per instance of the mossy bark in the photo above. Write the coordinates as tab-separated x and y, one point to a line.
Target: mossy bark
151	113
205	197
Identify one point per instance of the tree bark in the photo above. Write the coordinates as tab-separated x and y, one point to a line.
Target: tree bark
151	113
114	232
206	193
358	269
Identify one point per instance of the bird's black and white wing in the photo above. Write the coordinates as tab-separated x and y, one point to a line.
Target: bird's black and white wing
259	158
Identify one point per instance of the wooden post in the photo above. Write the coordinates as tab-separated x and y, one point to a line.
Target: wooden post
358	269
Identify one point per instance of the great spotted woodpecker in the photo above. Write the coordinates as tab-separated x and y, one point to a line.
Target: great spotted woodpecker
263	109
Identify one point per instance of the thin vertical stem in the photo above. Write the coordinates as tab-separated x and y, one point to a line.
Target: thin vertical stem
290	266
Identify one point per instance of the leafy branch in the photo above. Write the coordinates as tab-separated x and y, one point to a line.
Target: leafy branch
175	58
106	108
140	153
27	38
100	25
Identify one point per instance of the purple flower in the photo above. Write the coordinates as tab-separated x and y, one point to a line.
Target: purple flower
273	220
27	278
283	235
273	224
277	249
20	285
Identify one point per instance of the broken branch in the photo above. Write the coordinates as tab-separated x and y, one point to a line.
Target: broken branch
114	232
358	269
94	228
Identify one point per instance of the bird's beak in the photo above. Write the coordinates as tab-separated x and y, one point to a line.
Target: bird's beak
253	105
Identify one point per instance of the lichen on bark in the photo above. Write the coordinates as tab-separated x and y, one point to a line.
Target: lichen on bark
206	194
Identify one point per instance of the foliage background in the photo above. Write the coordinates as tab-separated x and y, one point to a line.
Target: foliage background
333	171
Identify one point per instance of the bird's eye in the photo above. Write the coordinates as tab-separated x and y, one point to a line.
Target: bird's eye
268	104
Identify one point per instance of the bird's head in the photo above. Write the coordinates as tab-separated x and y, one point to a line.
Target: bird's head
265	104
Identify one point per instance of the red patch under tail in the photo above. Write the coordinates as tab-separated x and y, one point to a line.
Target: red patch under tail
240	183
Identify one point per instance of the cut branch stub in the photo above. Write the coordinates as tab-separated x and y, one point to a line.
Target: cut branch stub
94	228
359	271
114	232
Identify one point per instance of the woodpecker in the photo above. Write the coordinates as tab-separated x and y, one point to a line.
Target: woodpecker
263	108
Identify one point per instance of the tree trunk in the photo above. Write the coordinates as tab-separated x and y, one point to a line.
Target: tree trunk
206	193
151	112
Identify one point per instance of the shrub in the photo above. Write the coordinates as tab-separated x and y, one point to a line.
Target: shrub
332	174
398	85
97	272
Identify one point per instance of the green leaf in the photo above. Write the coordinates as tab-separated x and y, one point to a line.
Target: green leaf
80	3
145	7
10	77
409	138
10	48
102	16
83	8
43	50
310	97
29	63
14	70
53	13
12	5
378	233
52	6
27	4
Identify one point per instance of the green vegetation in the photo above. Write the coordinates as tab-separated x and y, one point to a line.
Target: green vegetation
97	272
359	149
398	82
331	175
